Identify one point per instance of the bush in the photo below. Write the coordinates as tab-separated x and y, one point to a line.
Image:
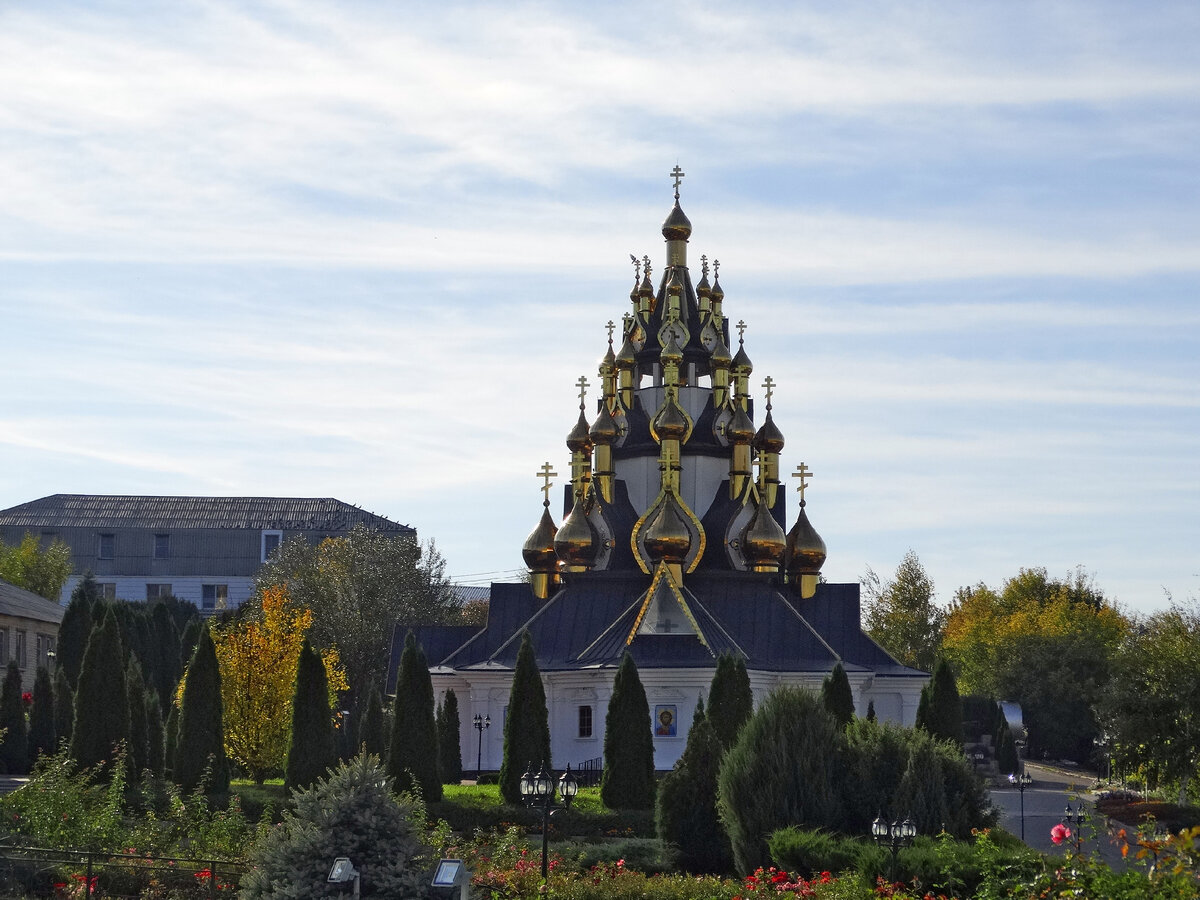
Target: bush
807	851
352	813
628	778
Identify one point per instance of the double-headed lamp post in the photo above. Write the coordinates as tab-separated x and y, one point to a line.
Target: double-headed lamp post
1075	819
538	793
481	722
893	835
1021	781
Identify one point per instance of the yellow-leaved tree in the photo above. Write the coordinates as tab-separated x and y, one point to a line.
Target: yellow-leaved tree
258	658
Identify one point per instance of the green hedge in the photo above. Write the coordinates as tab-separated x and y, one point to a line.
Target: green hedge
465	817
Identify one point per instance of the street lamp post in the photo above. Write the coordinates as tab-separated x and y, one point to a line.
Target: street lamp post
1075	819
1020	782
538	793
894	835
481	722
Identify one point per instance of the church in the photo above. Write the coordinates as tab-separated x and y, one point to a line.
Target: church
673	544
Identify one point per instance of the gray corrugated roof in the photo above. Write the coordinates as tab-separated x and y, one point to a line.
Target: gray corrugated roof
129	511
15	601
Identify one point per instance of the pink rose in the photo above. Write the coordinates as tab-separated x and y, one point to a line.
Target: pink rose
1059	833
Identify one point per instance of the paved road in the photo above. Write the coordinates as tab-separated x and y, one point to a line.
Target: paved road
1045	803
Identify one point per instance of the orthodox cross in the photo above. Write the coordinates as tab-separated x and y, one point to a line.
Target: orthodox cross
704	263
803	472
610	326
646	265
741	327
582	384
769	384
716	268
677	173
666	623
637	268
545	474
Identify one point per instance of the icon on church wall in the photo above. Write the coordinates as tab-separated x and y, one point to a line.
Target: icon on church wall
666	721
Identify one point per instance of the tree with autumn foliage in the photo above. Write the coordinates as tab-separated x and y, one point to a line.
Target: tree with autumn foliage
258	658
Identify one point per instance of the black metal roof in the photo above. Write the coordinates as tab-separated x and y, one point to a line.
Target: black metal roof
133	511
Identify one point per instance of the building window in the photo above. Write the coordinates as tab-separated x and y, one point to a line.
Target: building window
214	596
3	646
157	591
107	590
19	649
45	646
162	546
270	543
105	544
585	721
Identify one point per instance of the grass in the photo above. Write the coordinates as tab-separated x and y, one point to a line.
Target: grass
483	796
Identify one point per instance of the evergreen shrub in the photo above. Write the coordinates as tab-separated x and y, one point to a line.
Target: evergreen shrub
42	736
449	748
808	851
101	722
64	706
837	696
628	778
311	750
200	743
413	760
371	734
14	745
526	728
730	700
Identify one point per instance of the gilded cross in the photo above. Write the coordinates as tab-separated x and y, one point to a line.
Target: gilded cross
769	384
703	263
610	326
803	472
646	265
741	327
677	173
582	384
637	268
716	268
545	474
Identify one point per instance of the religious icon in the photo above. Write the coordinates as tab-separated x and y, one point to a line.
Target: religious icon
666	721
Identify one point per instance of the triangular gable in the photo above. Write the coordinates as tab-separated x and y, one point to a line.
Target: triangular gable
665	610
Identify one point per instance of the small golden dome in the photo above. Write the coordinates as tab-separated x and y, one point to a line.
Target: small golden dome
677	227
539	546
763	543
720	353
769	438
703	288
605	431
575	544
805	549
741	362
667	537
717	294
740	429
647	288
627	357
580	437
671	352
671	422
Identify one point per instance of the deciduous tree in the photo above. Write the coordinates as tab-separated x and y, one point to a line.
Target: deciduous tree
901	614
30	566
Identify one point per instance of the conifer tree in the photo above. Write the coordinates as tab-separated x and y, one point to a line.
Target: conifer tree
200	744
1006	752
730	701
42	738
527	727
838	697
871	711
64	706
101	716
155	734
14	748
187	641
168	666
922	793
311	751
685	813
371	735
413	761
139	739
922	720
76	628
170	740
449	747
943	714
628	778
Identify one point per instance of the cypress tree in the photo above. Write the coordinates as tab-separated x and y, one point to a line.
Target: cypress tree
370	732
312	750
170	741
871	711
838	697
15	746
101	714
922	721
449	747
167	649
200	744
685	812
187	641
76	628
64	706
922	793
527	726
730	701
155	734
1006	752
139	738
42	737
944	718
413	761
628	778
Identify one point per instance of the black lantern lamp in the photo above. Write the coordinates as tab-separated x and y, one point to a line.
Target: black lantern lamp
481	723
893	835
538	793
1021	781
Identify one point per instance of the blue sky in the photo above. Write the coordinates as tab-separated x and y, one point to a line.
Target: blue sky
363	250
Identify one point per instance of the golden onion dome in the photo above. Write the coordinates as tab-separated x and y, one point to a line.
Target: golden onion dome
627	357
740	429
805	549
647	288
769	438
671	422
677	227
741	362
667	537
717	294
720	353
671	351
580	437
539	546
576	544
703	288
605	431
763	542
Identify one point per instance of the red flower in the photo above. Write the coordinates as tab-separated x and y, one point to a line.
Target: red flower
27	698
1059	833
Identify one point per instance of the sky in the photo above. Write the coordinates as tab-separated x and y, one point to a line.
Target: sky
364	250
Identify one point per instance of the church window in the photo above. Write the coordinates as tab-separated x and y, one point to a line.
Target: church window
585	721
